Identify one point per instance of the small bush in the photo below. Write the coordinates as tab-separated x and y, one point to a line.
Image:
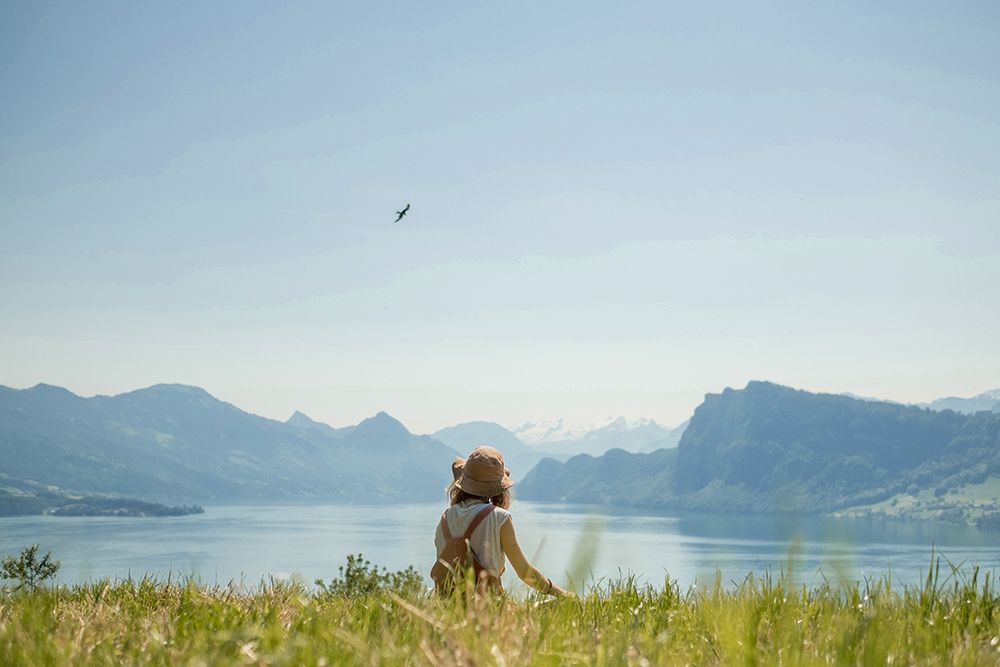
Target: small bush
360	578
27	569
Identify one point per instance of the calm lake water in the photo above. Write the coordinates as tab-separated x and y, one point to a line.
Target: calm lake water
248	542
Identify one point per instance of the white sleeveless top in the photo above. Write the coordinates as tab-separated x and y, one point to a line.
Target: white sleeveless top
485	540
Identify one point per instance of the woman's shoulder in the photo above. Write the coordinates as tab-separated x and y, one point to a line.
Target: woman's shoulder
501	514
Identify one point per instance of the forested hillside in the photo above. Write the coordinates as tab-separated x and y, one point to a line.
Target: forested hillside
772	448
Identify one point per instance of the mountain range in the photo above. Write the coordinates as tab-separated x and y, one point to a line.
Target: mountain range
528	444
176	442
770	448
988	401
762	448
464	437
560	439
173	442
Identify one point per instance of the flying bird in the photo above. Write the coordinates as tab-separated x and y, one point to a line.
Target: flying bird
401	214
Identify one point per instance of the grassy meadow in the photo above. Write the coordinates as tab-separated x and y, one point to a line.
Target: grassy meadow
389	619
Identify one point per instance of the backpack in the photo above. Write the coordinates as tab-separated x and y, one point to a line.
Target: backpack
457	556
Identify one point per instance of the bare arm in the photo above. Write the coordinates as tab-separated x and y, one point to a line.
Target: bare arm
528	573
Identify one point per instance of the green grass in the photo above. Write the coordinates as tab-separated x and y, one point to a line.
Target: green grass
763	621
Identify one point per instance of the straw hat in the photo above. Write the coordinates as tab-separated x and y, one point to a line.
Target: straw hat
483	474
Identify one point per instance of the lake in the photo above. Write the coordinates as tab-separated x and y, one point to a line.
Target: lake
250	542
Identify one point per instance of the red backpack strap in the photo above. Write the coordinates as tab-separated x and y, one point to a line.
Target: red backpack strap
444	526
478	519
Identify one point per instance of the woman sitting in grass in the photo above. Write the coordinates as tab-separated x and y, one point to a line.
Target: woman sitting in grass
480	500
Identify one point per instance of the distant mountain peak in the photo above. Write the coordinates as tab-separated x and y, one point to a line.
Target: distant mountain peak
624	424
549	430
765	385
983	402
467	435
50	389
165	397
170	390
177	388
300	419
381	425
559	430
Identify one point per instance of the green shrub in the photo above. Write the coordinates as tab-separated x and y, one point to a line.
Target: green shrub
359	578
27	569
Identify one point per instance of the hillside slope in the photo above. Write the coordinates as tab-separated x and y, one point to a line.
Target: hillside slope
771	448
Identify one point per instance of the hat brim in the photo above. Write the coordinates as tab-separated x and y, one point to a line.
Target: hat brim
484	489
456	467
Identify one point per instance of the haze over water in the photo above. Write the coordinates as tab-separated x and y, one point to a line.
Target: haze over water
250	542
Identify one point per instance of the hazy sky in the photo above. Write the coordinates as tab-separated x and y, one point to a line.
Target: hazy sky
615	209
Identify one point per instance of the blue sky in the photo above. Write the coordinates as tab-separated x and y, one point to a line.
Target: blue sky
615	209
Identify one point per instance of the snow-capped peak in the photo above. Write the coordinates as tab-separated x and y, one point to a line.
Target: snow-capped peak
559	430
623	424
549	430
